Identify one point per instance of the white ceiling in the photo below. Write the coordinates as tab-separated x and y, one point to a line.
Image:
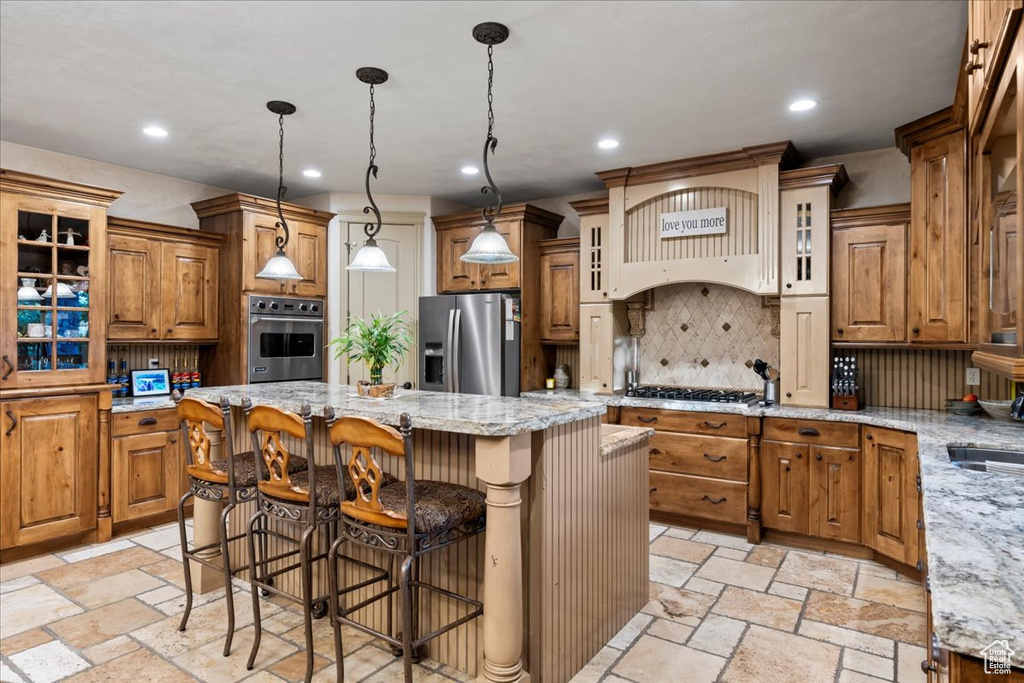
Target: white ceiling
669	80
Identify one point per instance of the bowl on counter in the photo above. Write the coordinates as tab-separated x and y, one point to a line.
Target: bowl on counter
999	410
958	407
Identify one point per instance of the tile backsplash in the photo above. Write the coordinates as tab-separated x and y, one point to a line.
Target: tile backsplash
709	336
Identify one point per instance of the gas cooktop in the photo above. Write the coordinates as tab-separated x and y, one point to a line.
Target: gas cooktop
698	395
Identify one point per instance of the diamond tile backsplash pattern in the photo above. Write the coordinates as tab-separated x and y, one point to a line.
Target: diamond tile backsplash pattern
706	335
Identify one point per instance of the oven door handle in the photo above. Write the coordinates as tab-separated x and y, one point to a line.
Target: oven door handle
283	319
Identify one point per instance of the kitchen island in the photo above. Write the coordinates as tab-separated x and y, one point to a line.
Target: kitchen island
563	572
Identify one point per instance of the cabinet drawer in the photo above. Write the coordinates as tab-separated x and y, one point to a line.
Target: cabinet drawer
712	424
706	456
145	422
683	494
841	434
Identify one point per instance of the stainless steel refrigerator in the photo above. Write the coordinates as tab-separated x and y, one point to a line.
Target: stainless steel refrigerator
469	343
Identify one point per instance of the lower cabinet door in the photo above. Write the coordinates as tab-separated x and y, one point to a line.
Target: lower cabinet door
891	498
146	474
784	482
835	493
48	466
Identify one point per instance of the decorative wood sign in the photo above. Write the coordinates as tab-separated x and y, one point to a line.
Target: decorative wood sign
691	223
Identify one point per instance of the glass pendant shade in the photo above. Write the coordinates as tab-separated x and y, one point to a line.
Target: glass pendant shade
489	247
279	267
371	259
63	291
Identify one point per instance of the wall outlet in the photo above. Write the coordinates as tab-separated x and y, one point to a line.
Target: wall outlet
973	377
154	362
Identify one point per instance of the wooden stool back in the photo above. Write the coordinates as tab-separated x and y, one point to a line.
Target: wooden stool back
194	414
266	425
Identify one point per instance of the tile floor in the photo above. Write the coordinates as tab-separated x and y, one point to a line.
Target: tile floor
720	610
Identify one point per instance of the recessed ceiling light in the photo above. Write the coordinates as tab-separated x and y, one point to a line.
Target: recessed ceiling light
608	143
155	131
470	170
802	105
311	173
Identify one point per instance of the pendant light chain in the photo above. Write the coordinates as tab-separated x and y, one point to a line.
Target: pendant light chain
370	229
281	189
490	95
489	213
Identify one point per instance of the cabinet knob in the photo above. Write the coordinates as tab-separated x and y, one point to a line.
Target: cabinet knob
604	384
977	45
472	282
839	331
153	331
799	455
972	67
789	394
870	437
817	456
789	285
927	666
916	330
169	330
117	316
604	293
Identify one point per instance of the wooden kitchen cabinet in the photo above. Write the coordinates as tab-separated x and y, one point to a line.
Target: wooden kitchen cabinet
804	217
603	329
804	346
834	487
454	274
147	464
869	274
785	476
891	498
593	249
560	291
307	249
164	282
991	27
48	468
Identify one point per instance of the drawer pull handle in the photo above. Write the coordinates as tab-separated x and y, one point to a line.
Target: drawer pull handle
646	420
653	490
9	366
714	459
713	502
146	421
655	451
714	426
14	423
809	431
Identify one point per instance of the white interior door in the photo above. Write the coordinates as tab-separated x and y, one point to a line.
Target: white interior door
371	293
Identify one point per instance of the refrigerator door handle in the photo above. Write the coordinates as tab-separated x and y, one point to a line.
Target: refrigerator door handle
447	357
457	352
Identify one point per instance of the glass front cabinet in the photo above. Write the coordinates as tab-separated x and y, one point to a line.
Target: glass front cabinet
52	292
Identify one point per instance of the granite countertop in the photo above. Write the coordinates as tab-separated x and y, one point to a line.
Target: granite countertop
459	413
134	405
616	436
974	521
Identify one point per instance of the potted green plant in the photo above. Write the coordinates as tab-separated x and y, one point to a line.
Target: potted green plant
381	342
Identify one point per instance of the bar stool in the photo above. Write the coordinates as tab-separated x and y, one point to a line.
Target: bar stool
228	481
285	497
406	519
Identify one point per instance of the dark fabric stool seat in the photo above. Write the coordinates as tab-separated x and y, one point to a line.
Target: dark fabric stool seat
440	506
245	468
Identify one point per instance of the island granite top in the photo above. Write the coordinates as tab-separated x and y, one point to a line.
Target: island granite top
444	412
974	521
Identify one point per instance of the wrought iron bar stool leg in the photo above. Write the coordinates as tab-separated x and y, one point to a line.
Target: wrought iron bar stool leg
333	584
405	582
306	567
250	535
229	597
185	561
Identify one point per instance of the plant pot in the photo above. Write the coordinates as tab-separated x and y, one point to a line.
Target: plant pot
375	390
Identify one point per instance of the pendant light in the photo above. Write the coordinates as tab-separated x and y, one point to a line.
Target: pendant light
489	246
370	258
280	267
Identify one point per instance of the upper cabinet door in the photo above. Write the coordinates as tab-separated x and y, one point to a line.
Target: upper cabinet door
308	249
454	274
560	306
805	240
259	246
189	306
134	267
504	275
869	274
593	255
937	298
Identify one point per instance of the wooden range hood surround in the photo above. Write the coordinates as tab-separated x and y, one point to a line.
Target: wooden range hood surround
746	181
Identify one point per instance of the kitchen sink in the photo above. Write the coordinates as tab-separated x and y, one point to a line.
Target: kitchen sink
987	459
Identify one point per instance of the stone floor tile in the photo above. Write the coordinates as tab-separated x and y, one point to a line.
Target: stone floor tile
323	637
891	592
731	553
129	667
96	568
176	605
670	571
908	663
205	624
110	649
768	655
104	623
718	635
722	540
20	582
837	635
283	621
263	677
768	610
49	662
704	586
875	569
32	607
396	672
7	674
23	641
208	663
677	604
851	676
598	666
832	574
670	630
867	617
767	555
681	549
360	664
34	565
681	532
630	632
162	539
736	573
788	590
168	570
879	667
611	679
455	674
112	588
651	658
161	594
655	530
97	550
